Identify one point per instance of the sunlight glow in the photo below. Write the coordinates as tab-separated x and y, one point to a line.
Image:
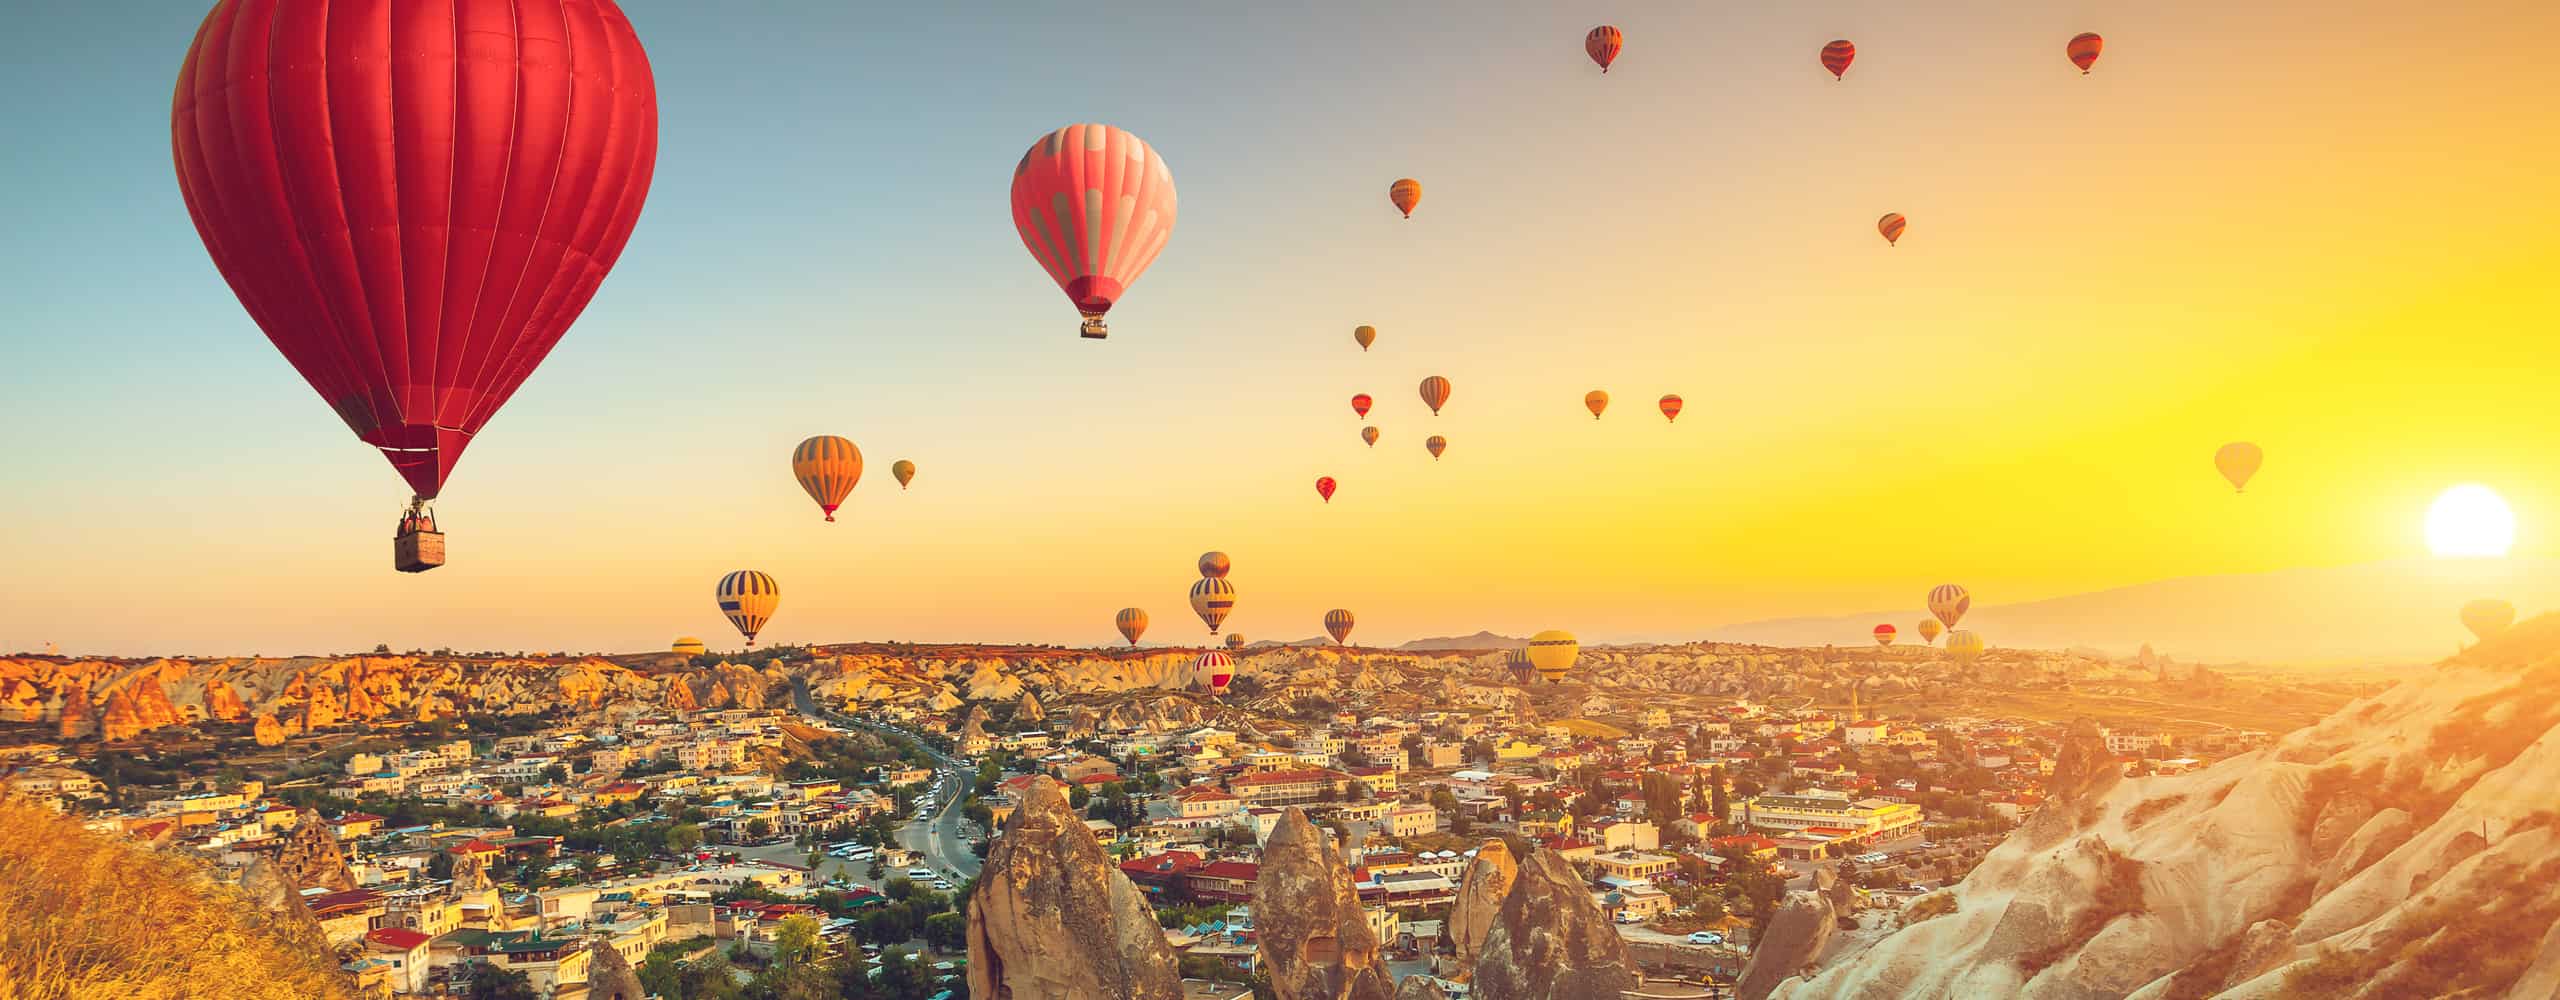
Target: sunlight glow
2470	520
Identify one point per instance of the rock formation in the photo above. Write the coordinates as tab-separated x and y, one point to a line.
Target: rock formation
75	720
267	731
1054	919
1420	988
1028	711
470	875
609	975
1480	894
2407	845
1315	941
1550	941
309	857
1795	937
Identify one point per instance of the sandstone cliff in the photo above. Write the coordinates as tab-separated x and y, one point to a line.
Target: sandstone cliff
1551	942
1054	919
1480	894
1315	942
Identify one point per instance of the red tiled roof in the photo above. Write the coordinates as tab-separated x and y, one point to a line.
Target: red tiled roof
400	938
1286	777
1244	871
474	845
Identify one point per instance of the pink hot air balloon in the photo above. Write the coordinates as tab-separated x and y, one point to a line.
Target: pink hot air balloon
1094	204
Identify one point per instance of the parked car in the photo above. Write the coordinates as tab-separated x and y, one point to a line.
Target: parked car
1705	937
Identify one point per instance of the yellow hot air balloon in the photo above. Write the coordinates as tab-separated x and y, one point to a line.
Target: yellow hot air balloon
1435	391
904	470
1366	335
1211	599
687	646
1405	193
1435	444
1338	622
1595	401
1235	640
748	598
2238	461
1928	630
1552	652
1132	623
2486	618
1964	644
1369	434
1214	564
827	466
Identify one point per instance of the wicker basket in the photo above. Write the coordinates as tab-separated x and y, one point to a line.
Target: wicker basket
417	551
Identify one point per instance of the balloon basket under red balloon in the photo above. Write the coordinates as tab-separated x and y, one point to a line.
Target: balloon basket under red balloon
417	551
1094	328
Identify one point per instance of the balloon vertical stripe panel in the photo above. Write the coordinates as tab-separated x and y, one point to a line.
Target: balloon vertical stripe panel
415	200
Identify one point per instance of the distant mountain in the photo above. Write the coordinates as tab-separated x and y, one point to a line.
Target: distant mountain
1291	644
1480	640
2401	611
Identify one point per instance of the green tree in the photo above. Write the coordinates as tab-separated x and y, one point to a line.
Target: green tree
759	828
796	941
947	931
555	774
682	838
489	982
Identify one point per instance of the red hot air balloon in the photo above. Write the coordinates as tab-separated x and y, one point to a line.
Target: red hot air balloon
2084	49
1837	56
1670	408
1884	635
1891	226
1214	669
1324	488
1603	44
1360	404
415	201
1094	204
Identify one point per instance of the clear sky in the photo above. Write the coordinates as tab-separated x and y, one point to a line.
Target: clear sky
2323	227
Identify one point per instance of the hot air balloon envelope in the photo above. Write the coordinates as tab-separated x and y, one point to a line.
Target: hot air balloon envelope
2486	618
1671	407
1892	226
1552	652
1435	393
1884	635
2238	461
1211	599
1404	194
1595	401
1132	623
1094	205
1324	488
748	599
1837	56
2084	49
1602	45
827	467
1337	623
1949	602
1214	564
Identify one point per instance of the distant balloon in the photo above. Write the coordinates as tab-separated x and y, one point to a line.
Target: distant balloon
1884	635
1837	56
1964	644
1517	661
1435	444
1552	652
2238	461
2083	50
827	467
1337	623
1214	564
1235	640
1132	623
1603	43
2486	618
1360	404
1928	630
687	646
1324	488
1595	401
1093	204
1892	226
1949	602
1405	193
1369	434
1365	335
1214	669
1211	599
1435	392
1671	408
748	598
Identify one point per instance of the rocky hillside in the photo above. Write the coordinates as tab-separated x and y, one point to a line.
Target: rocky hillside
2406	846
83	915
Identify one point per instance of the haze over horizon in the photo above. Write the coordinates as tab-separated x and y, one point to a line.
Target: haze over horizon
2105	278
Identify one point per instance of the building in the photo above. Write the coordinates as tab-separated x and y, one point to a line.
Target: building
1204	802
1412	820
1275	788
1825	814
405	951
1633	866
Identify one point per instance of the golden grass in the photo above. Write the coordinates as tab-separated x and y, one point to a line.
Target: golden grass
87	917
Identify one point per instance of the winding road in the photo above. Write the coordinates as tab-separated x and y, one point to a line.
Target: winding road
938	831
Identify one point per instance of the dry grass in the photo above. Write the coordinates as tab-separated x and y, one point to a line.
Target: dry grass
2453	946
86	917
1931	906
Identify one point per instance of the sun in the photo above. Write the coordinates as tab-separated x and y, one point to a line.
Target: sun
2470	520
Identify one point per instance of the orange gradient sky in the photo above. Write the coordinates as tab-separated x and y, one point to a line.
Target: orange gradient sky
2326	229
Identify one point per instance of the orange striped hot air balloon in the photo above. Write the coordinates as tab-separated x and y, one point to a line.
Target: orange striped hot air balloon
1215	565
1435	392
1360	404
1337	623
827	467
1132	623
1405	193
2084	49
1603	43
1891	226
1837	56
1928	630
1369	434
1365	335
1671	408
1595	401
1435	444
1324	488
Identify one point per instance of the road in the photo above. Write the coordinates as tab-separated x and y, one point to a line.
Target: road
938	831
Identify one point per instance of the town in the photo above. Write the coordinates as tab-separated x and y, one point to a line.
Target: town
838	825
